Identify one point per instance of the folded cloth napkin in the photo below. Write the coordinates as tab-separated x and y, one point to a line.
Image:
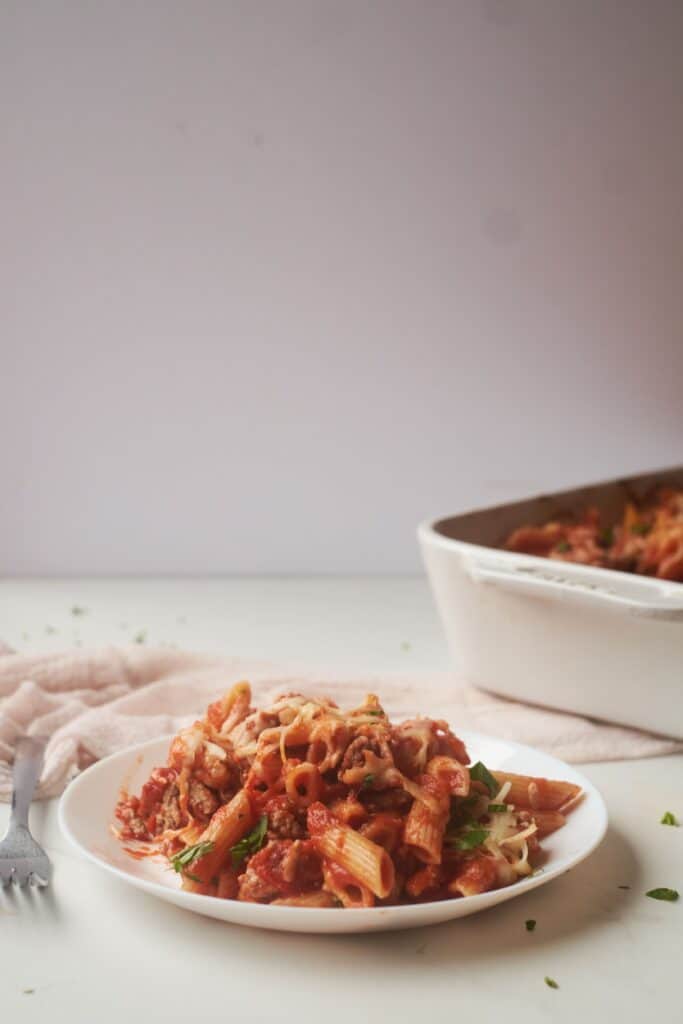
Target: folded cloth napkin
91	704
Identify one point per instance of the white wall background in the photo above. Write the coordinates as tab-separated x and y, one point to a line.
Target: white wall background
281	277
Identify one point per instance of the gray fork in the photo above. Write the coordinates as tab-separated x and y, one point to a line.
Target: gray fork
22	860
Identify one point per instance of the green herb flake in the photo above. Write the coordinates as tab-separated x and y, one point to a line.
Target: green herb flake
530	924
461	812
140	637
563	547
78	610
480	773
189	855
550	982
641	529
497	808
469	841
368	780
406	646
375	712
28	991
669	895
251	843
606	538
669	819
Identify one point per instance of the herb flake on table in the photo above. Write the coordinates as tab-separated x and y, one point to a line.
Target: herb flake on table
669	819
668	895
480	773
28	991
530	925
140	637
550	982
78	610
189	855
251	843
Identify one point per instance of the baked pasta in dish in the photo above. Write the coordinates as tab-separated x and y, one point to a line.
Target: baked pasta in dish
305	805
647	541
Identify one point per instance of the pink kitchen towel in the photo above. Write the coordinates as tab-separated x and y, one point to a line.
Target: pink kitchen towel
93	703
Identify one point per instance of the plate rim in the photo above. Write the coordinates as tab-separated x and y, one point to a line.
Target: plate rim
364	916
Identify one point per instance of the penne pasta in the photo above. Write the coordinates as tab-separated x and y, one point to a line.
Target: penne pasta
348	891
303	784
424	833
538	794
648	539
479	875
384	829
351	811
228	825
547	822
299	804
369	864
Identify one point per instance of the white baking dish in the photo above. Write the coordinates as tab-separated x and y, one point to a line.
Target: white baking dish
594	641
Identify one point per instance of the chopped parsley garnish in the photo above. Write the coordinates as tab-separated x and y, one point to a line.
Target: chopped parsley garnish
550	982
377	712
78	610
668	819
189	855
469	840
28	991
251	843
563	546
497	808
670	895
606	538
368	780
641	529
530	924
480	773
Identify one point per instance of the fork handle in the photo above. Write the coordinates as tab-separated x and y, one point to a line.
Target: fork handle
28	763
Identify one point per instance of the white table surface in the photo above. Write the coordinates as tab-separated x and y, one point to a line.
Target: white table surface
93	949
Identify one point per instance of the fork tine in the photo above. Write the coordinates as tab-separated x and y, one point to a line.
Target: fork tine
37	880
6	875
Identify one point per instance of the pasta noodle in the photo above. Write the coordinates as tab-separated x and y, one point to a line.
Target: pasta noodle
303	805
648	540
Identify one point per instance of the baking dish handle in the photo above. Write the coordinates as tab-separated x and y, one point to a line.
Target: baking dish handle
646	598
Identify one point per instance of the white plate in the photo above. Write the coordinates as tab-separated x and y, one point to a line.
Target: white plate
86	813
